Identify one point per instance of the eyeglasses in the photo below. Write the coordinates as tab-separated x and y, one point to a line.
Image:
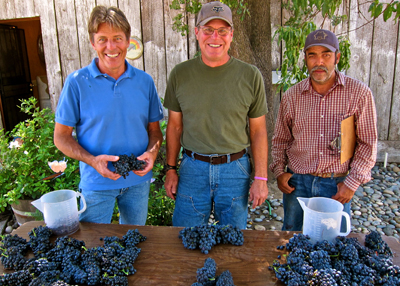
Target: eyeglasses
335	145
223	31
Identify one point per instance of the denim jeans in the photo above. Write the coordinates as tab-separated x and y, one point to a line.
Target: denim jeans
132	204
308	186
203	188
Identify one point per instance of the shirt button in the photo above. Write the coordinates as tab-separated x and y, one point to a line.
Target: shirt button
116	84
321	135
320	153
322	116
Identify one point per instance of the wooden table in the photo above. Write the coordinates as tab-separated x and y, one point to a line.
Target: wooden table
164	261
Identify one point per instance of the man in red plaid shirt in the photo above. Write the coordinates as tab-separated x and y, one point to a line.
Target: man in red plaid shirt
305	145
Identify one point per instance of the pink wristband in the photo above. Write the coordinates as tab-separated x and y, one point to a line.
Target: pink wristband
261	178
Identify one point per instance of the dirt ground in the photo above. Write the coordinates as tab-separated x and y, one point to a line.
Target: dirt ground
269	223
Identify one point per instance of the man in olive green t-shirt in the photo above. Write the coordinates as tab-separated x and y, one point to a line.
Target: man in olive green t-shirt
216	107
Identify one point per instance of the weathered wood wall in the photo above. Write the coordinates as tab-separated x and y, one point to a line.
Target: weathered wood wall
375	48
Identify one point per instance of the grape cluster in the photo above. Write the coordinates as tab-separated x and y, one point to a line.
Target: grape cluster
67	261
206	276
344	262
205	236
126	163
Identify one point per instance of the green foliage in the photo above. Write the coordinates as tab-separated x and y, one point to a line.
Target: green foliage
23	167
387	9
161	207
194	6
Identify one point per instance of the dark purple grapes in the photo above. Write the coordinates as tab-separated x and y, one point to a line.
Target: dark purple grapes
206	236
344	262
66	261
207	275
126	163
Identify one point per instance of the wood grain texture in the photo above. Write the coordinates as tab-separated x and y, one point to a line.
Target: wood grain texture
394	125
51	49
361	43
164	261
383	60
86	52
390	147
7	9
107	3
67	37
24	8
132	11
154	42
176	47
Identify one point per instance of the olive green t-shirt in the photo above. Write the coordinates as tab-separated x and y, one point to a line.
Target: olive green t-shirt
215	104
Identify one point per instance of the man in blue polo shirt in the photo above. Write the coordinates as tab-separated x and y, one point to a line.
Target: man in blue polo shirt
115	110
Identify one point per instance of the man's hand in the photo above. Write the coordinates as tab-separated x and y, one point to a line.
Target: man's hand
283	183
171	183
344	194
100	164
149	159
258	193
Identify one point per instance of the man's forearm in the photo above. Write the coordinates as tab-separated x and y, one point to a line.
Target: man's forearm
67	144
259	148
173	146
155	141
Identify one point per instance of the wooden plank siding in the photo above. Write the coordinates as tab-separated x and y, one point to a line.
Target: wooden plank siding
375	48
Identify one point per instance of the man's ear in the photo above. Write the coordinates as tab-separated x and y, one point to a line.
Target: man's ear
337	58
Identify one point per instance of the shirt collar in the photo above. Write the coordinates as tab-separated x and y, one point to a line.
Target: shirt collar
306	84
95	72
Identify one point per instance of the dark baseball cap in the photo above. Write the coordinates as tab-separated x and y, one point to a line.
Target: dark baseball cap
214	10
323	38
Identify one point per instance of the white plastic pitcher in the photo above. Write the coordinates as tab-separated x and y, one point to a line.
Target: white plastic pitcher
60	210
323	218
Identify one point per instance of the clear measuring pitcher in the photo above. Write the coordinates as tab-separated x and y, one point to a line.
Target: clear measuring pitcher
60	210
323	218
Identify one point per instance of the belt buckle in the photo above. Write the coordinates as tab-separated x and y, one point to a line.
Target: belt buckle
213	156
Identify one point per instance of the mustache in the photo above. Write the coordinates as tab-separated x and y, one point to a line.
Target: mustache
319	68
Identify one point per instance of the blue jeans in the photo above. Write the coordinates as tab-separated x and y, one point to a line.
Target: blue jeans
132	204
202	187
308	186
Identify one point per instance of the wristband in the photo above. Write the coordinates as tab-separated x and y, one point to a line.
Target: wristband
261	178
169	167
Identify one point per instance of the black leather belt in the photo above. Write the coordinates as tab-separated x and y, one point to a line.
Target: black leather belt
216	160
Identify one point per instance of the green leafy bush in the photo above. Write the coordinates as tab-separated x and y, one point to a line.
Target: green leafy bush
24	162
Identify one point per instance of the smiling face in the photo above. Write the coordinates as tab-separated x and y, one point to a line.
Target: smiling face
111	46
321	64
214	48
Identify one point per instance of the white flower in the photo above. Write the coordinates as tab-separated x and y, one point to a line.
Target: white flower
14	144
26	152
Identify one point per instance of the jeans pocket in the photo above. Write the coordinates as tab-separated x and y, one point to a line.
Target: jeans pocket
244	165
185	158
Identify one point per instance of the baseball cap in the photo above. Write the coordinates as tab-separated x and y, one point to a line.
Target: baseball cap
323	38
214	10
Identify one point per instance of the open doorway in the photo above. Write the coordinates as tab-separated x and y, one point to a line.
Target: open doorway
22	68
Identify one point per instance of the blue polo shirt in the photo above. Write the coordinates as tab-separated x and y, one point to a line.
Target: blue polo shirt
111	118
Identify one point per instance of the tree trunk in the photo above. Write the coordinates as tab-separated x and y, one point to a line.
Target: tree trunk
252	44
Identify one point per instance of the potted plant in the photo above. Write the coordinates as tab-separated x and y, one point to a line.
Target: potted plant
25	153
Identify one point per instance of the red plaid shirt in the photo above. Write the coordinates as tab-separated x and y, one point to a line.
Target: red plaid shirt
308	122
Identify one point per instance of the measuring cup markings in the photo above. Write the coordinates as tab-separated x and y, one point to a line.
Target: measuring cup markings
60	210
322	218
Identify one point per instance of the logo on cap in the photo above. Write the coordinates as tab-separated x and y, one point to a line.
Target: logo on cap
319	36
217	9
